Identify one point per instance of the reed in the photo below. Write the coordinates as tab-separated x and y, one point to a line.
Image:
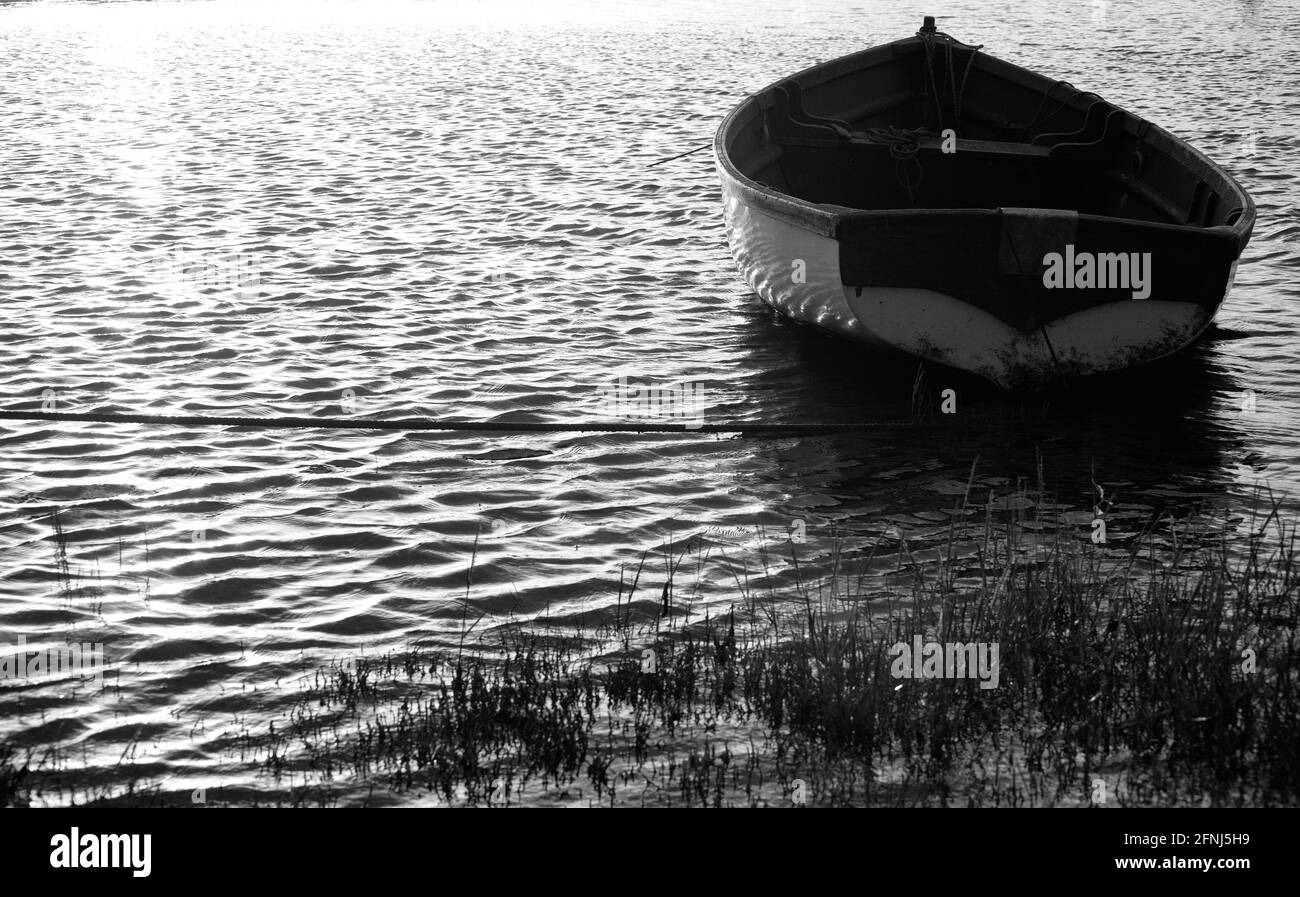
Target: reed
1160	669
1163	671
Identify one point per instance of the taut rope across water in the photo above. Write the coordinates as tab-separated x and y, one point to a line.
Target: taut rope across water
425	423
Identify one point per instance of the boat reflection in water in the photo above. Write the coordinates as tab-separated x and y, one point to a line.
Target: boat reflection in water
1159	449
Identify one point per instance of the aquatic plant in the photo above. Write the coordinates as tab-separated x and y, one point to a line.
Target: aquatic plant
1129	675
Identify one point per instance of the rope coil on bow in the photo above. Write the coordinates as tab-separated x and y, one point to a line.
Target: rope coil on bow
904	144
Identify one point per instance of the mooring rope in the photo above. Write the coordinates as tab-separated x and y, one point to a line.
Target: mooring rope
1023	129
906	153
928	39
680	155
425	423
965	75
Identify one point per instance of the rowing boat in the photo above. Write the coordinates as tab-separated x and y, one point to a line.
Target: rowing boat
927	197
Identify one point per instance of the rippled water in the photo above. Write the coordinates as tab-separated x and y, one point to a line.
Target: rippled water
447	209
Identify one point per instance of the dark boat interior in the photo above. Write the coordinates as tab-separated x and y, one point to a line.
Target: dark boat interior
869	132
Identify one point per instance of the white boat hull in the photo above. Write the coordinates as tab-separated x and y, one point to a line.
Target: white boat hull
797	272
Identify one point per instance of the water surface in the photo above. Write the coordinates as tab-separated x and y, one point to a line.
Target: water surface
448	209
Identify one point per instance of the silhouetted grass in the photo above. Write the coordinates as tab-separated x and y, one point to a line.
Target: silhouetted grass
12	778
1158	668
1125	679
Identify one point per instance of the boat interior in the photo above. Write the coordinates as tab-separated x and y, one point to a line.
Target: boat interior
931	123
